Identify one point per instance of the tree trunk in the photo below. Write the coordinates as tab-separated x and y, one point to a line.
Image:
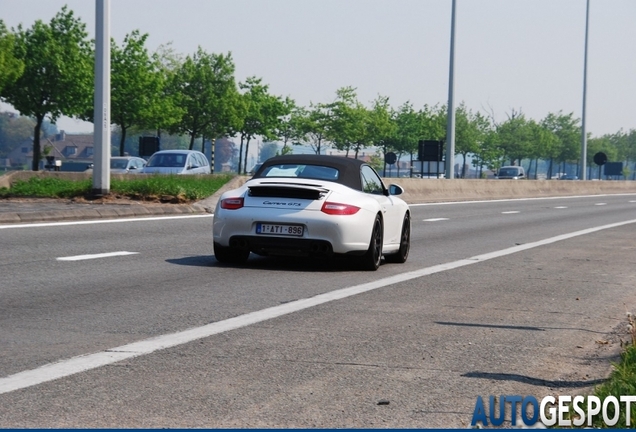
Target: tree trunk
35	164
192	140
122	141
240	163
247	151
463	165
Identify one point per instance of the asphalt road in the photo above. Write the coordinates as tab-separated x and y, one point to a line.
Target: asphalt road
412	351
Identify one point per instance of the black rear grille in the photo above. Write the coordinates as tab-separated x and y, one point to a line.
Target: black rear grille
282	246
286	192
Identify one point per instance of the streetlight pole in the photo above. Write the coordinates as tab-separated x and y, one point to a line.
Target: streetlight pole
450	124
101	119
583	169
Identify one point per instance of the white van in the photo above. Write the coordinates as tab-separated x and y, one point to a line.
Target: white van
177	162
511	173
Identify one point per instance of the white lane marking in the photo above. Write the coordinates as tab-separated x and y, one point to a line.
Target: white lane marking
434	219
64	368
519	199
95	256
633	201
600	204
561	207
102	221
511	212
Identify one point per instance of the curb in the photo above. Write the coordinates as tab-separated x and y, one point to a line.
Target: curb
114	211
111	212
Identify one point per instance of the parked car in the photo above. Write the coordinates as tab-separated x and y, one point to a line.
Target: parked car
568	177
177	162
511	173
126	164
317	206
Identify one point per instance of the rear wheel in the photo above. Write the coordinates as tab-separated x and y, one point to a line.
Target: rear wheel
405	243
371	259
230	255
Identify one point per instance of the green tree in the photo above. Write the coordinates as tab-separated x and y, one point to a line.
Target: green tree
515	137
605	144
263	113
568	135
11	67
490	154
471	130
313	126
205	90
58	72
406	133
137	88
543	143
432	125
381	127
348	122
290	126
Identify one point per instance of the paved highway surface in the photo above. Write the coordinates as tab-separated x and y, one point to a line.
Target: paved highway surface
491	301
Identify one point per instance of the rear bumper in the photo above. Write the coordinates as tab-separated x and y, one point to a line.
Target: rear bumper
283	246
322	234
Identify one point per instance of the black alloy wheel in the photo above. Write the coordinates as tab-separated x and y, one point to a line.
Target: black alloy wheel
371	259
405	243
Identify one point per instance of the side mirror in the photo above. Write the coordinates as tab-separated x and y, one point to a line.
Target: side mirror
395	190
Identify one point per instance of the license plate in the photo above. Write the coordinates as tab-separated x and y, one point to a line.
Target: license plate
279	229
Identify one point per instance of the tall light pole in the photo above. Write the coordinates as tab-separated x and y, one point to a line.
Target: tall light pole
450	124
583	169
101	120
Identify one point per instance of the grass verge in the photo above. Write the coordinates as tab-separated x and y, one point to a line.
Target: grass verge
163	188
621	382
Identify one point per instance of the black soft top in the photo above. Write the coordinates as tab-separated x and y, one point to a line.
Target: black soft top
348	168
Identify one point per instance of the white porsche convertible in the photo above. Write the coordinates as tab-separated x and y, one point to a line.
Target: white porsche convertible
313	205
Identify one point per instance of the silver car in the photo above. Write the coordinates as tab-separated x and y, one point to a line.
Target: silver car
126	164
177	162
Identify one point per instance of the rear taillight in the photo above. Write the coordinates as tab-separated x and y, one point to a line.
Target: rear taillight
332	208
232	203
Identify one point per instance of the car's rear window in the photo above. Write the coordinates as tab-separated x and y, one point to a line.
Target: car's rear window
118	164
172	160
318	172
509	172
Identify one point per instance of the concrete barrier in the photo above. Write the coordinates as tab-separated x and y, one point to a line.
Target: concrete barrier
420	190
439	190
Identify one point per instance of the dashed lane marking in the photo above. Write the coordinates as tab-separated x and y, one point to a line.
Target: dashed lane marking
95	256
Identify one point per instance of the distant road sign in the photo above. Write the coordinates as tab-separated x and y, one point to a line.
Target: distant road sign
429	150
600	158
390	158
613	169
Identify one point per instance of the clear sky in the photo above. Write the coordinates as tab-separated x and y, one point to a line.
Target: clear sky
522	55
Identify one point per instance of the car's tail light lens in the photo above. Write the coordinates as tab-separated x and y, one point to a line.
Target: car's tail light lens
332	208
232	203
